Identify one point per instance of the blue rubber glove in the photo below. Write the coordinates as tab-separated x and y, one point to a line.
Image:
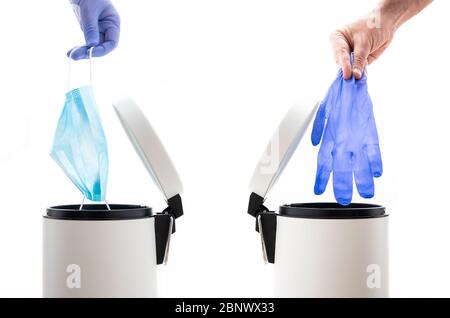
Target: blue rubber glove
100	24
349	145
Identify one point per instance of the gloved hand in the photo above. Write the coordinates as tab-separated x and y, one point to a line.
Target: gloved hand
100	24
350	141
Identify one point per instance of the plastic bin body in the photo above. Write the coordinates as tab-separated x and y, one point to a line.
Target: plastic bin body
331	258
327	250
99	258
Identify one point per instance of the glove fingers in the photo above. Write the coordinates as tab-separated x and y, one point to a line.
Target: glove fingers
92	35
322	177
324	109
324	164
103	49
374	156
373	148
110	43
79	53
363	176
89	24
342	177
98	51
319	122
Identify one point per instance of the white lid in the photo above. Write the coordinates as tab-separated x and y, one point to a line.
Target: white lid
149	147
281	147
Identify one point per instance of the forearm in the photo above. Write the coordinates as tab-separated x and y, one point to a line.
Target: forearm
397	12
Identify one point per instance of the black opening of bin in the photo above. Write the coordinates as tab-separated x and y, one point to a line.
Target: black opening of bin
99	212
328	210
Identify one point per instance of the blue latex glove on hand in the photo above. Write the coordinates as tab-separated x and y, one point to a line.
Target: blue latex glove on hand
100	24
350	141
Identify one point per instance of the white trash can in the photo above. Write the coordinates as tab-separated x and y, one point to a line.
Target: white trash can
95	250
317	249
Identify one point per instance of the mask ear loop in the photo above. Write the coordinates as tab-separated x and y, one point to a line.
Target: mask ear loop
69	68
82	203
68	88
90	64
90	80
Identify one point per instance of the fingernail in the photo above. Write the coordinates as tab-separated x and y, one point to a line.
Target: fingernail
357	73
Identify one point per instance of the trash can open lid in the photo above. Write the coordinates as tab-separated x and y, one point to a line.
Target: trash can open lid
281	147
149	147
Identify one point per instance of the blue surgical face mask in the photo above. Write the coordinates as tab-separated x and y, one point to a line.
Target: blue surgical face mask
79	145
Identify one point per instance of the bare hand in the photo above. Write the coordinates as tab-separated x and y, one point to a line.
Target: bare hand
369	37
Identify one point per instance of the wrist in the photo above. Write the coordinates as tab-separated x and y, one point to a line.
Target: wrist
394	13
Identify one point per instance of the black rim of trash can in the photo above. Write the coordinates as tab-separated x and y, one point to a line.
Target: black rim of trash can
100	212
330	210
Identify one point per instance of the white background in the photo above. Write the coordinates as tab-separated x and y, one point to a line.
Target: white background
215	78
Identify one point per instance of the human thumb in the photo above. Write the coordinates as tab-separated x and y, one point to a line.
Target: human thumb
360	55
